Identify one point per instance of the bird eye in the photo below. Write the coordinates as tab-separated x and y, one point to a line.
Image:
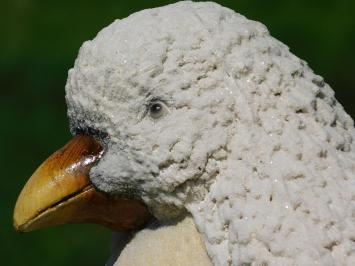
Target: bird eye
157	109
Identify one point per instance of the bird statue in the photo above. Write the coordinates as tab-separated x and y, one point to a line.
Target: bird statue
197	130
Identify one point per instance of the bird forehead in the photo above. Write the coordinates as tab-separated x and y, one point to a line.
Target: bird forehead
134	36
140	44
153	51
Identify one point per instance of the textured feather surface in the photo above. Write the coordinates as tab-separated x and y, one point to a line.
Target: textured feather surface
255	145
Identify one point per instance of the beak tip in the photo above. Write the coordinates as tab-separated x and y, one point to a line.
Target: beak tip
19	220
17	226
16	219
21	227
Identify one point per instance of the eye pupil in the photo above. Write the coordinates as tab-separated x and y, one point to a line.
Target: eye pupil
156	108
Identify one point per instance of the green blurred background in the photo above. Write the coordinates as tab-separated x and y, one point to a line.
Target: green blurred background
39	43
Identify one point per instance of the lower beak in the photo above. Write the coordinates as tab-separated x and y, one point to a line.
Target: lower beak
60	192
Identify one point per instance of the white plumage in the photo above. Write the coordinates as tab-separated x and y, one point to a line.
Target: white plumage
250	141
176	244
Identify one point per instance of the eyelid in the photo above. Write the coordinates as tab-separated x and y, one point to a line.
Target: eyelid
152	98
157	101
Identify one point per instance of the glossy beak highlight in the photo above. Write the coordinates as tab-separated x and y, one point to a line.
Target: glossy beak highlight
60	192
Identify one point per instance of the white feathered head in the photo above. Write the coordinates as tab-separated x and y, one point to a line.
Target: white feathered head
200	110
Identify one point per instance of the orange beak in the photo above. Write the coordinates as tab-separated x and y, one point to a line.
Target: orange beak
60	192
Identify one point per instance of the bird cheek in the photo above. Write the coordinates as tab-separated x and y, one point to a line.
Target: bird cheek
109	174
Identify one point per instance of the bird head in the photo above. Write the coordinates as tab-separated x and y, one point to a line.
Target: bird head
151	105
192	108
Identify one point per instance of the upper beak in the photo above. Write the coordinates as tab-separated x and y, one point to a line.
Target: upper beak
60	192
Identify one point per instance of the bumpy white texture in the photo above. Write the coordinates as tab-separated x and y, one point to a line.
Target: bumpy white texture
254	145
177	244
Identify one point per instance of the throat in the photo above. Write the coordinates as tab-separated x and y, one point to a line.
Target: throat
177	243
